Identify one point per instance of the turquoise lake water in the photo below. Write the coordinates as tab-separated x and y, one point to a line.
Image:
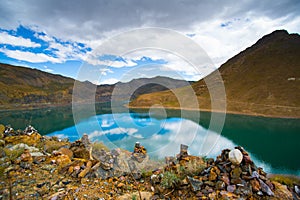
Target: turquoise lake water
272	143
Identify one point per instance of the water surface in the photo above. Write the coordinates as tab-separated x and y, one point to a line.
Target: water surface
273	143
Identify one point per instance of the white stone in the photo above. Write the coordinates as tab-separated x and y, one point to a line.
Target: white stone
235	156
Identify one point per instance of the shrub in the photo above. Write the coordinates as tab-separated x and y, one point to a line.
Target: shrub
169	180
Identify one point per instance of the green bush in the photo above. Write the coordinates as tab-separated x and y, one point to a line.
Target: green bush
13	154
169	180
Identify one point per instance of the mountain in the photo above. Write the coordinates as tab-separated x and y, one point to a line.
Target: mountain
264	80
25	87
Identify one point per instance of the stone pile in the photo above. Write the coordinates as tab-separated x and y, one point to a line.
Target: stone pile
40	167
233	175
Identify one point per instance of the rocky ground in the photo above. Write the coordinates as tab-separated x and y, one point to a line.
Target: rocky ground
40	167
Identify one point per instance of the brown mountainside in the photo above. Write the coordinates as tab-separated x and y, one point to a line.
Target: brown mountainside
263	80
25	87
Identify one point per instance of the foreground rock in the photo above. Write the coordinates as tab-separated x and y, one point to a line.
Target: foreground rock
39	167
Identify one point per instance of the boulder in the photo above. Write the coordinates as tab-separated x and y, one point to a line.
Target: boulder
235	156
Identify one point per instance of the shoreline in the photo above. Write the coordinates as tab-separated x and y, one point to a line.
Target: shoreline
45	106
217	111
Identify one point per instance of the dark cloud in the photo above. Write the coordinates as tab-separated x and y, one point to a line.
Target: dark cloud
91	19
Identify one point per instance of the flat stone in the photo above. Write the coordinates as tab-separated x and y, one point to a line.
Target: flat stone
255	185
196	184
231	188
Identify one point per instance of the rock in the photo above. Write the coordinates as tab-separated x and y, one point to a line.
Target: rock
255	185
20	146
2	153
265	188
86	170
231	188
2	143
51	145
227	195
62	160
2	129
30	140
139	152
30	130
297	190
66	151
282	192
225	179
26	156
235	156
155	179
85	140
220	185
135	195
120	185
214	172
196	184
25	165
81	153
37	154
236	173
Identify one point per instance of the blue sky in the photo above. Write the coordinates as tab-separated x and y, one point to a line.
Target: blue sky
58	37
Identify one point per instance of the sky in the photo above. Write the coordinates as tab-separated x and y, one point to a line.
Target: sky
63	37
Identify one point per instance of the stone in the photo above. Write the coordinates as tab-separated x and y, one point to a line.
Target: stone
255	185
135	195
227	195
236	173
225	179
66	151
2	153
85	140
62	160
20	146
36	154
119	185
2	143
297	190
214	172
25	165
26	156
196	184
220	185
30	140
235	156
231	188
81	153
86	170
265	188
30	130
282	192
2	129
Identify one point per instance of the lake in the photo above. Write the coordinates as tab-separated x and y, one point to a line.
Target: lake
273	143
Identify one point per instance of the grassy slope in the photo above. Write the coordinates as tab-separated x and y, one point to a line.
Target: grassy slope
256	80
25	87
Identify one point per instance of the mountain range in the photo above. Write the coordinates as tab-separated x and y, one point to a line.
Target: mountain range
23	87
262	80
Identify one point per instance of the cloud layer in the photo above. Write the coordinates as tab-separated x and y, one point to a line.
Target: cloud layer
67	30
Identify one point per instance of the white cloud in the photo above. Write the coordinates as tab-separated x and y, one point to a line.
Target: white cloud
29	56
48	69
114	131
5	38
222	43
103	81
104	71
115	64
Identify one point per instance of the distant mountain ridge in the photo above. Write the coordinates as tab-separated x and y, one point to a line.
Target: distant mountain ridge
25	87
264	79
